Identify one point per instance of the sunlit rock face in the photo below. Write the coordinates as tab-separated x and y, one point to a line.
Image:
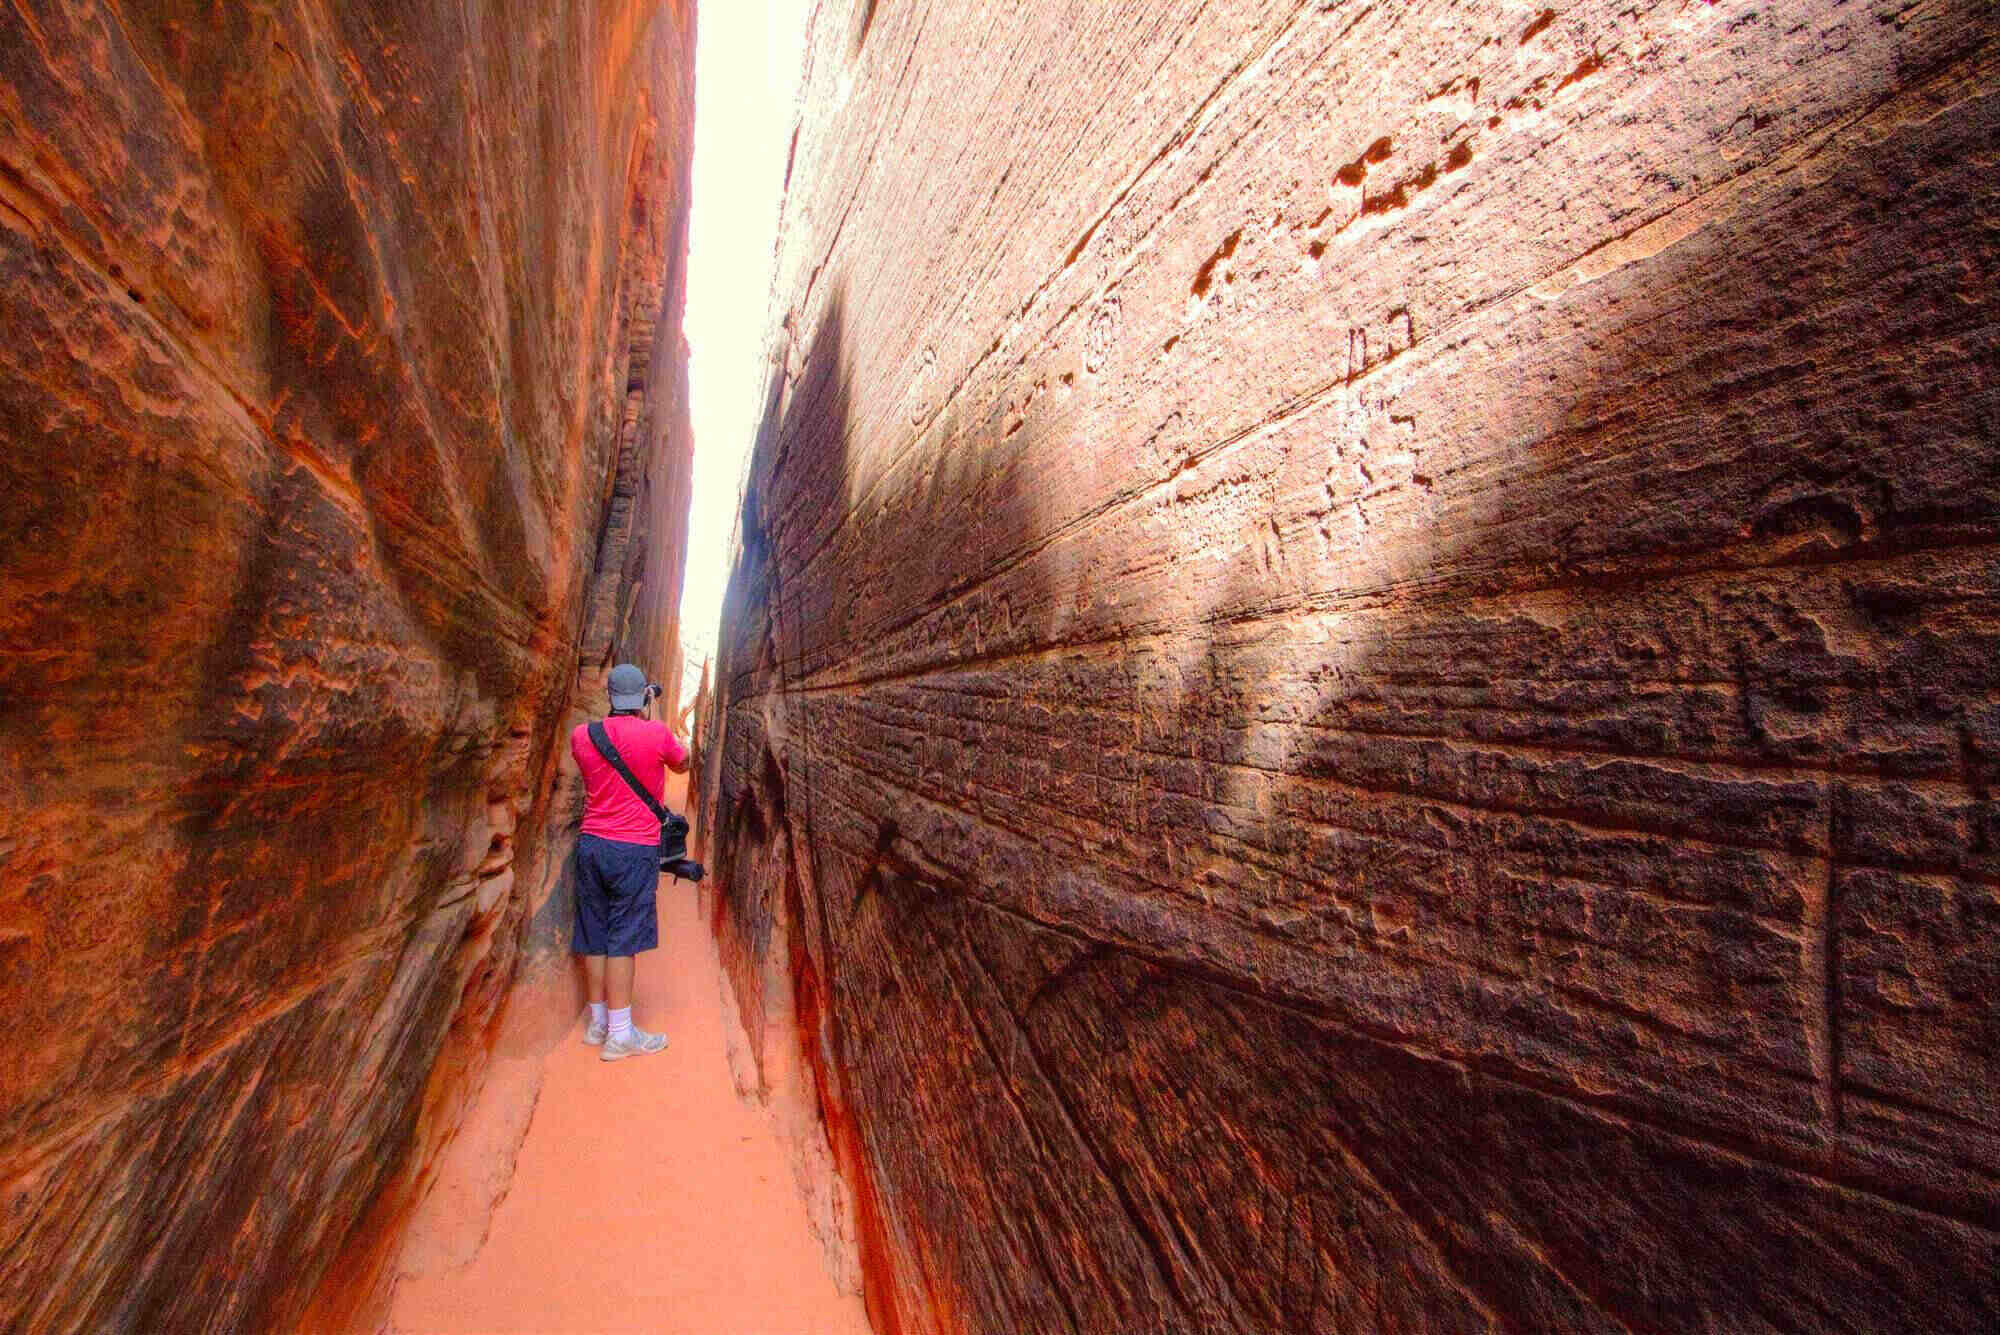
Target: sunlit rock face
342	429
1363	691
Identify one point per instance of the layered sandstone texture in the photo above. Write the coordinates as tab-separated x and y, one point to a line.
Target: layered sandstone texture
342	430
1363	692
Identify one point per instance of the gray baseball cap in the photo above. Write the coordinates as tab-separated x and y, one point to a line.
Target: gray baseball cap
628	687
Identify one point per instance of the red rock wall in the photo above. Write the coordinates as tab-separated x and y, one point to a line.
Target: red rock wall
344	421
1361	693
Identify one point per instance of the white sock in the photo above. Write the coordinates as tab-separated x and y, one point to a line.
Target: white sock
620	1023
597	1012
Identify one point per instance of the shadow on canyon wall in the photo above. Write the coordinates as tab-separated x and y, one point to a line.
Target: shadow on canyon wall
1552	893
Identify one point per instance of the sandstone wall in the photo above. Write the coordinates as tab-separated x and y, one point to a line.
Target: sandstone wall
1363	687
342	432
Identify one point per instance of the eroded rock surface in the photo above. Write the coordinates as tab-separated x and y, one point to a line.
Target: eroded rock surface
342	399
1361	693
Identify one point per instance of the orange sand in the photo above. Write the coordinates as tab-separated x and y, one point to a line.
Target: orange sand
647	1195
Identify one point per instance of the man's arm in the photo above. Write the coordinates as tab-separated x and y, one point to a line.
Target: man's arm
672	751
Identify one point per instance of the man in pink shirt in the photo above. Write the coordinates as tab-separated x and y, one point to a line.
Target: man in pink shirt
618	859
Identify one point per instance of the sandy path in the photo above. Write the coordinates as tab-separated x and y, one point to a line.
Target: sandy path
647	1195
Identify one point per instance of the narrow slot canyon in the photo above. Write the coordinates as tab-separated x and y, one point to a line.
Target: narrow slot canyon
1357	687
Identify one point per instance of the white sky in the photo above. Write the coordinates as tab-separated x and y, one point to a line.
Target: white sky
747	60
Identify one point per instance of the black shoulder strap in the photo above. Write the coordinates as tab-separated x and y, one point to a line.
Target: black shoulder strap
600	737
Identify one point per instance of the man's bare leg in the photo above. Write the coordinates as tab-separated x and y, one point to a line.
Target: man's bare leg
615	981
593	984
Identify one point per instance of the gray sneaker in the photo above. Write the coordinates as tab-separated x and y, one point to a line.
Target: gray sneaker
593	1032
637	1045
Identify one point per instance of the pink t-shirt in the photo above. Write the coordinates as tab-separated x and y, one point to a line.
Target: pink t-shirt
611	810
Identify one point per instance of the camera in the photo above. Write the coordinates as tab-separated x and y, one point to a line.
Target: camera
674	860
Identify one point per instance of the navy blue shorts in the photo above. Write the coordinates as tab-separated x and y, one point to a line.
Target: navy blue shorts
616	885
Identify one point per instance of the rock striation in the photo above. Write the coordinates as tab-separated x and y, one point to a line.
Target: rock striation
344	420
1363	691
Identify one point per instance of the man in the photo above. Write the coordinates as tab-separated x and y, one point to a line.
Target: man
618	860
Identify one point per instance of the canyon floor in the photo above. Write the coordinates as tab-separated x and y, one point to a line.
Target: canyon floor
646	1196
